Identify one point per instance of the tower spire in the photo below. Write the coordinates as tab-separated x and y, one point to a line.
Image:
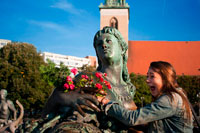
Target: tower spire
114	3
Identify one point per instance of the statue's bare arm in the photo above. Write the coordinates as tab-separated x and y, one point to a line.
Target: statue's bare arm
12	108
70	99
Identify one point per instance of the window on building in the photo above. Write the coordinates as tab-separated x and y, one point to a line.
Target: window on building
2	43
114	23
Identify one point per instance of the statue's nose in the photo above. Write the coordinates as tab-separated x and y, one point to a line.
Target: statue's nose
104	46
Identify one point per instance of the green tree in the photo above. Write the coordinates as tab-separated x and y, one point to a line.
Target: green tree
191	84
20	75
143	94
54	76
87	68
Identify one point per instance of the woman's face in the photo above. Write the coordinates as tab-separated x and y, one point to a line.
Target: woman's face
155	83
107	47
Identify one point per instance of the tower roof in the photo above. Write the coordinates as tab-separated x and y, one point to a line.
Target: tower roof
114	4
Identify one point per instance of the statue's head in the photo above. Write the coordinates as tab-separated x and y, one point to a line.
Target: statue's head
103	37
3	94
117	47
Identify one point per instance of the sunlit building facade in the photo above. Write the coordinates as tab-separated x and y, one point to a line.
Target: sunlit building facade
4	42
70	61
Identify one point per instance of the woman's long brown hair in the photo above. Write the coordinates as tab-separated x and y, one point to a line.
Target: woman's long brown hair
170	85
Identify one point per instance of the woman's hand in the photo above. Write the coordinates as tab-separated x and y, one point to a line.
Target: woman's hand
102	100
128	105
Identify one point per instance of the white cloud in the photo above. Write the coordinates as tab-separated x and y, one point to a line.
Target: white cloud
62	31
68	7
48	25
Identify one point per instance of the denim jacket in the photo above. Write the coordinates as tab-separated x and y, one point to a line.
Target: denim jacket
163	115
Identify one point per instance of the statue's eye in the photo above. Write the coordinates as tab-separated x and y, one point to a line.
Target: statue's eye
108	41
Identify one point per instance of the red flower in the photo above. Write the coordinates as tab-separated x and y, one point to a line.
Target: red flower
99	86
105	74
84	76
66	86
98	75
107	84
68	79
86	81
72	86
101	79
74	71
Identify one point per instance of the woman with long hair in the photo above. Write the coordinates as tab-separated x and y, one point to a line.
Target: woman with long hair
169	111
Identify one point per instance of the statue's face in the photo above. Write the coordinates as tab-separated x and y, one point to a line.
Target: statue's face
3	95
107	47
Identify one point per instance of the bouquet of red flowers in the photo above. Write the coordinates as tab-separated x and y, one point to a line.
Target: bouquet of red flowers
91	82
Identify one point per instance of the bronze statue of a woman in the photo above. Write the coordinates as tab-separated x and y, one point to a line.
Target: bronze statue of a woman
112	59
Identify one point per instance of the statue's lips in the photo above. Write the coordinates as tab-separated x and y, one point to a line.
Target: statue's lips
106	50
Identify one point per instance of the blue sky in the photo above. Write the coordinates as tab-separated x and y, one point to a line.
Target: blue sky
68	26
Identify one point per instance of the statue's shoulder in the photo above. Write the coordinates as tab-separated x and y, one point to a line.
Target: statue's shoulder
8	101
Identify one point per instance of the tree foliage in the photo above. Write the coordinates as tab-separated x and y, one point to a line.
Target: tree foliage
87	68
191	84
54	76
20	75
142	95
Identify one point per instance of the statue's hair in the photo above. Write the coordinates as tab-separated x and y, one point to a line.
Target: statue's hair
123	45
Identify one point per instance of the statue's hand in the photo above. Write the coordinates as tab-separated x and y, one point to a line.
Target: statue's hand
72	99
76	99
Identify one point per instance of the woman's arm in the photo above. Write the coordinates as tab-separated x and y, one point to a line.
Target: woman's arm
160	109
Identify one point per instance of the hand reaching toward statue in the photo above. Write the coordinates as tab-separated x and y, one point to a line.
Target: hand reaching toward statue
104	101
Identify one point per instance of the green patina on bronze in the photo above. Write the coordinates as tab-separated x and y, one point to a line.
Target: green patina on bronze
114	4
111	53
111	50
